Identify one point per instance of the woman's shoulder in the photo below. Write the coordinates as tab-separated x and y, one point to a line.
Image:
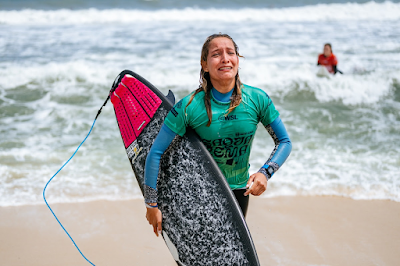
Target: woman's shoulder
197	98
251	91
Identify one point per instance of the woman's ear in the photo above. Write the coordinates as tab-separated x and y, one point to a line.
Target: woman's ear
204	66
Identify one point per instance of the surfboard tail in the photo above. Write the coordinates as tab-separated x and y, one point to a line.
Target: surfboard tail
135	105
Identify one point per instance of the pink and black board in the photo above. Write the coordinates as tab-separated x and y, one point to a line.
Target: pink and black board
202	222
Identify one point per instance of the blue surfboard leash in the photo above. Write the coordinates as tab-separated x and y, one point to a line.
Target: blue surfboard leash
44	190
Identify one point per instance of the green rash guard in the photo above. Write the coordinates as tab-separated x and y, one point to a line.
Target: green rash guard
229	136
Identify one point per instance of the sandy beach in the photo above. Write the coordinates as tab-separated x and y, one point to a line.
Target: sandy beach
285	230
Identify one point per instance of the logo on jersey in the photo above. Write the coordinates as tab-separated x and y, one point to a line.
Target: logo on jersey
223	118
228	148
174	112
178	106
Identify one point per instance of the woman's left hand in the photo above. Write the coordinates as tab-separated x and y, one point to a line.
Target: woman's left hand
256	185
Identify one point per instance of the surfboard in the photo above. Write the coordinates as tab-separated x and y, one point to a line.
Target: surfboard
323	72
202	221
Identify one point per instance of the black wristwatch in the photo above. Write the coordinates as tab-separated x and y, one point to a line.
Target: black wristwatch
270	171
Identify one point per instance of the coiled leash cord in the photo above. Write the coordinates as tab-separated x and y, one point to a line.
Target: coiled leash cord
44	190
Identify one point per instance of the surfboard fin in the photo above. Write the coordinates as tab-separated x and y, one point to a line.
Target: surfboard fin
171	97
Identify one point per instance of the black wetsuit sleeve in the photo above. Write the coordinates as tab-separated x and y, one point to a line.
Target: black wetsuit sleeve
334	69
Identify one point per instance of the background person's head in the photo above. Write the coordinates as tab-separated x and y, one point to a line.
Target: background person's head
327	49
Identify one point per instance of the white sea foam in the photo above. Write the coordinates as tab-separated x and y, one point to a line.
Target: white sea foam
332	170
337	12
73	78
350	89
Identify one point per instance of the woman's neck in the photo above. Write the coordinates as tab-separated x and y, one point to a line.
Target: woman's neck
223	86
222	97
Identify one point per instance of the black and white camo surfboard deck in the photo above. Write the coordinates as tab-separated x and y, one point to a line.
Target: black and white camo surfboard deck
202	222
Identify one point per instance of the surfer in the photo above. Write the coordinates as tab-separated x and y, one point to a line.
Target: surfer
225	113
328	60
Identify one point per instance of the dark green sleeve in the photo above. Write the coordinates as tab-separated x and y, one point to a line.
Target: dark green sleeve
267	111
176	119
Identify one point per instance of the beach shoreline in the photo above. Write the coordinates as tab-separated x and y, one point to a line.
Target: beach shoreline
286	231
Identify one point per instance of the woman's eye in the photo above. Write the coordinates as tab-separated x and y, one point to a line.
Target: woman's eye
214	55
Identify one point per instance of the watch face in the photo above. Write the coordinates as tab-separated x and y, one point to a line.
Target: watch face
270	170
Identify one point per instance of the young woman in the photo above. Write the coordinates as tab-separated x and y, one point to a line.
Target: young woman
328	59
221	111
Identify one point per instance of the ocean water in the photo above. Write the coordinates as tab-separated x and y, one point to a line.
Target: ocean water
58	60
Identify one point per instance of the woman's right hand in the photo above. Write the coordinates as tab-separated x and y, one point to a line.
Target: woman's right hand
154	216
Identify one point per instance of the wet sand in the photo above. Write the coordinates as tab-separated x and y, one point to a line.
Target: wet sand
285	230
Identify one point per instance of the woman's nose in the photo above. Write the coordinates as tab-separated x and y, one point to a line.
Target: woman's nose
225	57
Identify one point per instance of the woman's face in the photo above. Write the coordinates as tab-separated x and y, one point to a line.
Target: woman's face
222	62
327	50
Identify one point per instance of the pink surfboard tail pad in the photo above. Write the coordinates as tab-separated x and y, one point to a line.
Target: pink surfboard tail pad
135	105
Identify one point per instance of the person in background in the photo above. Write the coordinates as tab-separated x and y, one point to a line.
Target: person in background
328	59
225	113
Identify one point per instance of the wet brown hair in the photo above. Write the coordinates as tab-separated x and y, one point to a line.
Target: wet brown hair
205	81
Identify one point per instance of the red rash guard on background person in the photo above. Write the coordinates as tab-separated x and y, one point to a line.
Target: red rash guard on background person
329	62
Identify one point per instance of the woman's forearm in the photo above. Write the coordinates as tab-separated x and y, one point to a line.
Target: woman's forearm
282	149
161	143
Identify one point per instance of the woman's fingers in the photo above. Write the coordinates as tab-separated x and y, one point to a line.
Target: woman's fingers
159	224
259	185
249	190
250	181
155	229
250	185
154	217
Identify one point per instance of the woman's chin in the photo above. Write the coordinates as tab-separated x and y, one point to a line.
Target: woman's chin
225	77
